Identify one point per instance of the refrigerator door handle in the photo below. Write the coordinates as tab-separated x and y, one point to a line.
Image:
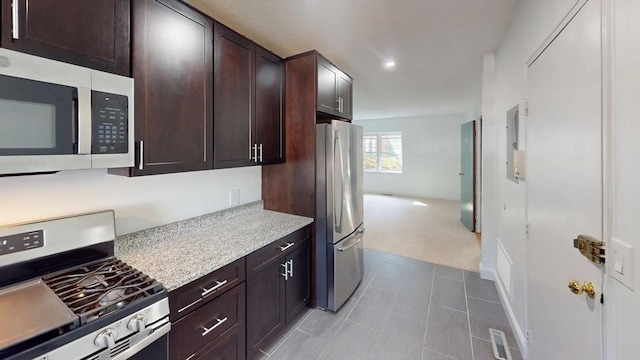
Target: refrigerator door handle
344	248
338	219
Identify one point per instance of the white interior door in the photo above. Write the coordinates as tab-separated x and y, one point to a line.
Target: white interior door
564	190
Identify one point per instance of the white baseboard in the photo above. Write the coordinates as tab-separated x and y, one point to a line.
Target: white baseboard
511	316
487	273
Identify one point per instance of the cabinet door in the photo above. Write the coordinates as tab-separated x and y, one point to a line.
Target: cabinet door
86	33
344	94
269	107
265	306
172	67
327	80
234	94
298	287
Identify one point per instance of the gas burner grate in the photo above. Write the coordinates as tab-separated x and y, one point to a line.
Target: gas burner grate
102	287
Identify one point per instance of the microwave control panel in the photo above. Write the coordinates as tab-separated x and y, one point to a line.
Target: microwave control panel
110	123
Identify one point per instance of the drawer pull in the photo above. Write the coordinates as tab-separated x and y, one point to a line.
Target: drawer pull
285	247
190	305
219	284
219	322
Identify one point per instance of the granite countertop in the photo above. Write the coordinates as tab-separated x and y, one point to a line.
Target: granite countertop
180	252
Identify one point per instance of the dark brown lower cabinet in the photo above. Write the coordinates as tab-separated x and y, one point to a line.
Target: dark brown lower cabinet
230	346
202	330
298	287
208	316
222	316
277	290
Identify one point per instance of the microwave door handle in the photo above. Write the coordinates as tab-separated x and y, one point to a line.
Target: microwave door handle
84	120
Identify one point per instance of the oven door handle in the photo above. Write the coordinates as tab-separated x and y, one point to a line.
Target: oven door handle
155	332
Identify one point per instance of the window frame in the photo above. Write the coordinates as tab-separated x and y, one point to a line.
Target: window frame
378	139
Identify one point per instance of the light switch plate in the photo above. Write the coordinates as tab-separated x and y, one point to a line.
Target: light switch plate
620	255
234	197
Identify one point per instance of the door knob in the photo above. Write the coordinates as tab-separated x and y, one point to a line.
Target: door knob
590	289
576	287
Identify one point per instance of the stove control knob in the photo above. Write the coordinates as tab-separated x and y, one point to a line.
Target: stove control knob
106	338
137	323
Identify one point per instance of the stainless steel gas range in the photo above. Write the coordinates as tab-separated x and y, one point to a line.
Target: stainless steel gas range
63	294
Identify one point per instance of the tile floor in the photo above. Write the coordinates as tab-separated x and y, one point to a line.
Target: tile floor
403	309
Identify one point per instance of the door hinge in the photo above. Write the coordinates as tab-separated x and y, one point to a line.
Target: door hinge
526	335
591	248
526	107
526	230
601	298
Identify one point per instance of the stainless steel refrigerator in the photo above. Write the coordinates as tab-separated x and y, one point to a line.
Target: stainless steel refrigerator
339	213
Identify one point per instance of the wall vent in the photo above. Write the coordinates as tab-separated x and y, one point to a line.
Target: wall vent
500	346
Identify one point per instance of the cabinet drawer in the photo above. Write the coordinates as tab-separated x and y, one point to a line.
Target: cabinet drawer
203	326
197	293
266	255
230	346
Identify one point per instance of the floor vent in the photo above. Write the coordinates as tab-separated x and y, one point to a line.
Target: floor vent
500	346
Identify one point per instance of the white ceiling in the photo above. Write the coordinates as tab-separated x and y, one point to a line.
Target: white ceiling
436	44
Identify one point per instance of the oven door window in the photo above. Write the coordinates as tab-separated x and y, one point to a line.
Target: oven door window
37	118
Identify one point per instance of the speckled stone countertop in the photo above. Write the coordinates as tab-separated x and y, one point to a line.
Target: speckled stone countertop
180	252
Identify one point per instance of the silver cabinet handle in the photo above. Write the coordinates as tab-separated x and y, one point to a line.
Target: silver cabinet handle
290	263
286	270
260	152
14	20
218	323
190	305
255	153
338	101
285	247
141	160
341	105
350	245
219	284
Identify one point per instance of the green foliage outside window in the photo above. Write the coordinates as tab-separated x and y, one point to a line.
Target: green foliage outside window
382	152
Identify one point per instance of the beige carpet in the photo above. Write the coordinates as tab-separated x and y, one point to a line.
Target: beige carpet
423	229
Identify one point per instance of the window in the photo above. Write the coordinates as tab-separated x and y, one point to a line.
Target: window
382	152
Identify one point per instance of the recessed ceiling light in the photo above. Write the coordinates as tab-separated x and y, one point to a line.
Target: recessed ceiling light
390	64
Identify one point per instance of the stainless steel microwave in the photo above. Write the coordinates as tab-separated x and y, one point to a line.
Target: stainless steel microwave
57	116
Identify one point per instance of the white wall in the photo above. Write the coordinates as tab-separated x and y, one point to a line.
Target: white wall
430	156
503	210
504	206
624	331
139	203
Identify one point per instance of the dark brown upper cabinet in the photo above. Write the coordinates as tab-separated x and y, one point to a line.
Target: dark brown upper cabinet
249	95
94	33
334	90
234	75
269	119
173	71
